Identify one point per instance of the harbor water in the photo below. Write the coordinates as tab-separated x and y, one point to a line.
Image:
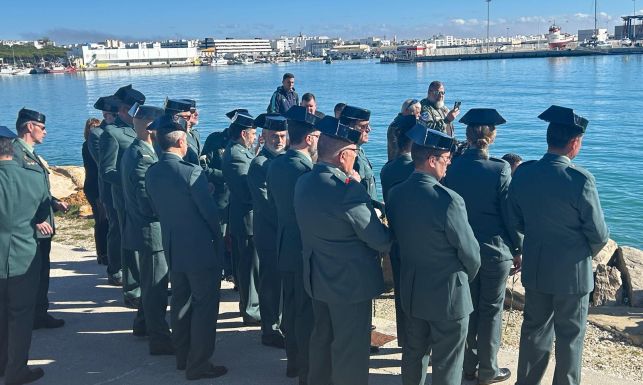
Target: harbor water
606	89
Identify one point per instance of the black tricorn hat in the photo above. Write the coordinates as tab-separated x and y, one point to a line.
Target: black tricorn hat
482	117
405	123
355	113
127	95
165	124
331	126
243	120
274	122
565	117
300	114
26	115
175	106
145	112
5	132
427	137
107	103
230	114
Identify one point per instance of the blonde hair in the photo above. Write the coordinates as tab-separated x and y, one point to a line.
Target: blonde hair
89	124
481	136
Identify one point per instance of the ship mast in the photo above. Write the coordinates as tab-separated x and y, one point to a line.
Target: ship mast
596	17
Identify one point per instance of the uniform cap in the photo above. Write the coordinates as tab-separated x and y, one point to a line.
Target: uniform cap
565	117
127	95
482	117
331	126
274	122
107	103
145	112
355	113
300	114
26	115
175	106
165	124
243	120
426	137
405	123
230	114
5	132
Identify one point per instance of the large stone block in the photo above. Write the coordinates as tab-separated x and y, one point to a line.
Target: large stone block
630	263
604	257
608	287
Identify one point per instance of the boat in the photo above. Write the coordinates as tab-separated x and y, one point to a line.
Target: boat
60	69
241	61
328	60
218	61
557	39
22	71
6	70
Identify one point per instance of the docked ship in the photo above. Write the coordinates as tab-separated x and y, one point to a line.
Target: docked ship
558	39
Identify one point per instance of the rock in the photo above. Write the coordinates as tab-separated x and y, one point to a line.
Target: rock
629	262
516	292
62	186
608	287
604	257
623	320
75	173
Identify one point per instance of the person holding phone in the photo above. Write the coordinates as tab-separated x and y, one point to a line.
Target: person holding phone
434	113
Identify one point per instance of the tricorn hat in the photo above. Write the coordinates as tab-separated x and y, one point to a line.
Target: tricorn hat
482	117
558	116
331	126
128	95
427	137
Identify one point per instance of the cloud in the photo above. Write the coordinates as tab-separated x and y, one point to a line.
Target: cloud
580	15
468	22
531	19
605	15
69	35
458	21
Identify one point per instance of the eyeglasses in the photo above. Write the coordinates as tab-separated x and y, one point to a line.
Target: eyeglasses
437	93
364	127
39	125
315	135
446	158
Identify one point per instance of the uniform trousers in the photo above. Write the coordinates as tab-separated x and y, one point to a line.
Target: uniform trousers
546	315
113	241
444	340
154	283
101	226
297	322
340	343
485	323
17	303
247	269
42	298
269	292
399	314
129	264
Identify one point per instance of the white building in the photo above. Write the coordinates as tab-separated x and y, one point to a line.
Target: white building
279	45
138	54
236	47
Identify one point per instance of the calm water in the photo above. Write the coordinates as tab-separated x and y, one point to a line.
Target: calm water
606	90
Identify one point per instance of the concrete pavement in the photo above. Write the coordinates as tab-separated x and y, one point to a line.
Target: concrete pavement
96	345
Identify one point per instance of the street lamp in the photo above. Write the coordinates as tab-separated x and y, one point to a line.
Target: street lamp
488	4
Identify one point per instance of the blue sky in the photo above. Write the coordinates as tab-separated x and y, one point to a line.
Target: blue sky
82	21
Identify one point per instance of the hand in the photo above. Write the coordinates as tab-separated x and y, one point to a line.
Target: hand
452	115
517	264
61	206
44	228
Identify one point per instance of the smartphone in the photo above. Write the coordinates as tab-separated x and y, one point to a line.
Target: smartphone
456	105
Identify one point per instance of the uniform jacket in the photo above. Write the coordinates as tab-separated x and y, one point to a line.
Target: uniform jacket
91	184
365	170
395	172
435	118
18	217
26	158
282	100
264	213
194	147
554	203
93	146
483	183
178	191
142	230
438	251
282	176
213	149
342	237
235	165
114	140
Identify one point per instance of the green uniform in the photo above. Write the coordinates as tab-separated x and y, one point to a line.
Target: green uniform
554	203
25	156
213	149
435	118
393	173
179	194
365	170
24	201
194	147
297	312
114	141
235	165
483	183
439	256
143	234
264	224
342	239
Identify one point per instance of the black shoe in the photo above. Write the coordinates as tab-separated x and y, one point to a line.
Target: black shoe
115	279
181	363
503	375
247	321
375	349
48	322
373	327
162	350
133	302
212	372
276	341
292	371
102	260
471	376
31	376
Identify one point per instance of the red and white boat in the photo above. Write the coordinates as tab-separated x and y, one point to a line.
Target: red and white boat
558	39
59	69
